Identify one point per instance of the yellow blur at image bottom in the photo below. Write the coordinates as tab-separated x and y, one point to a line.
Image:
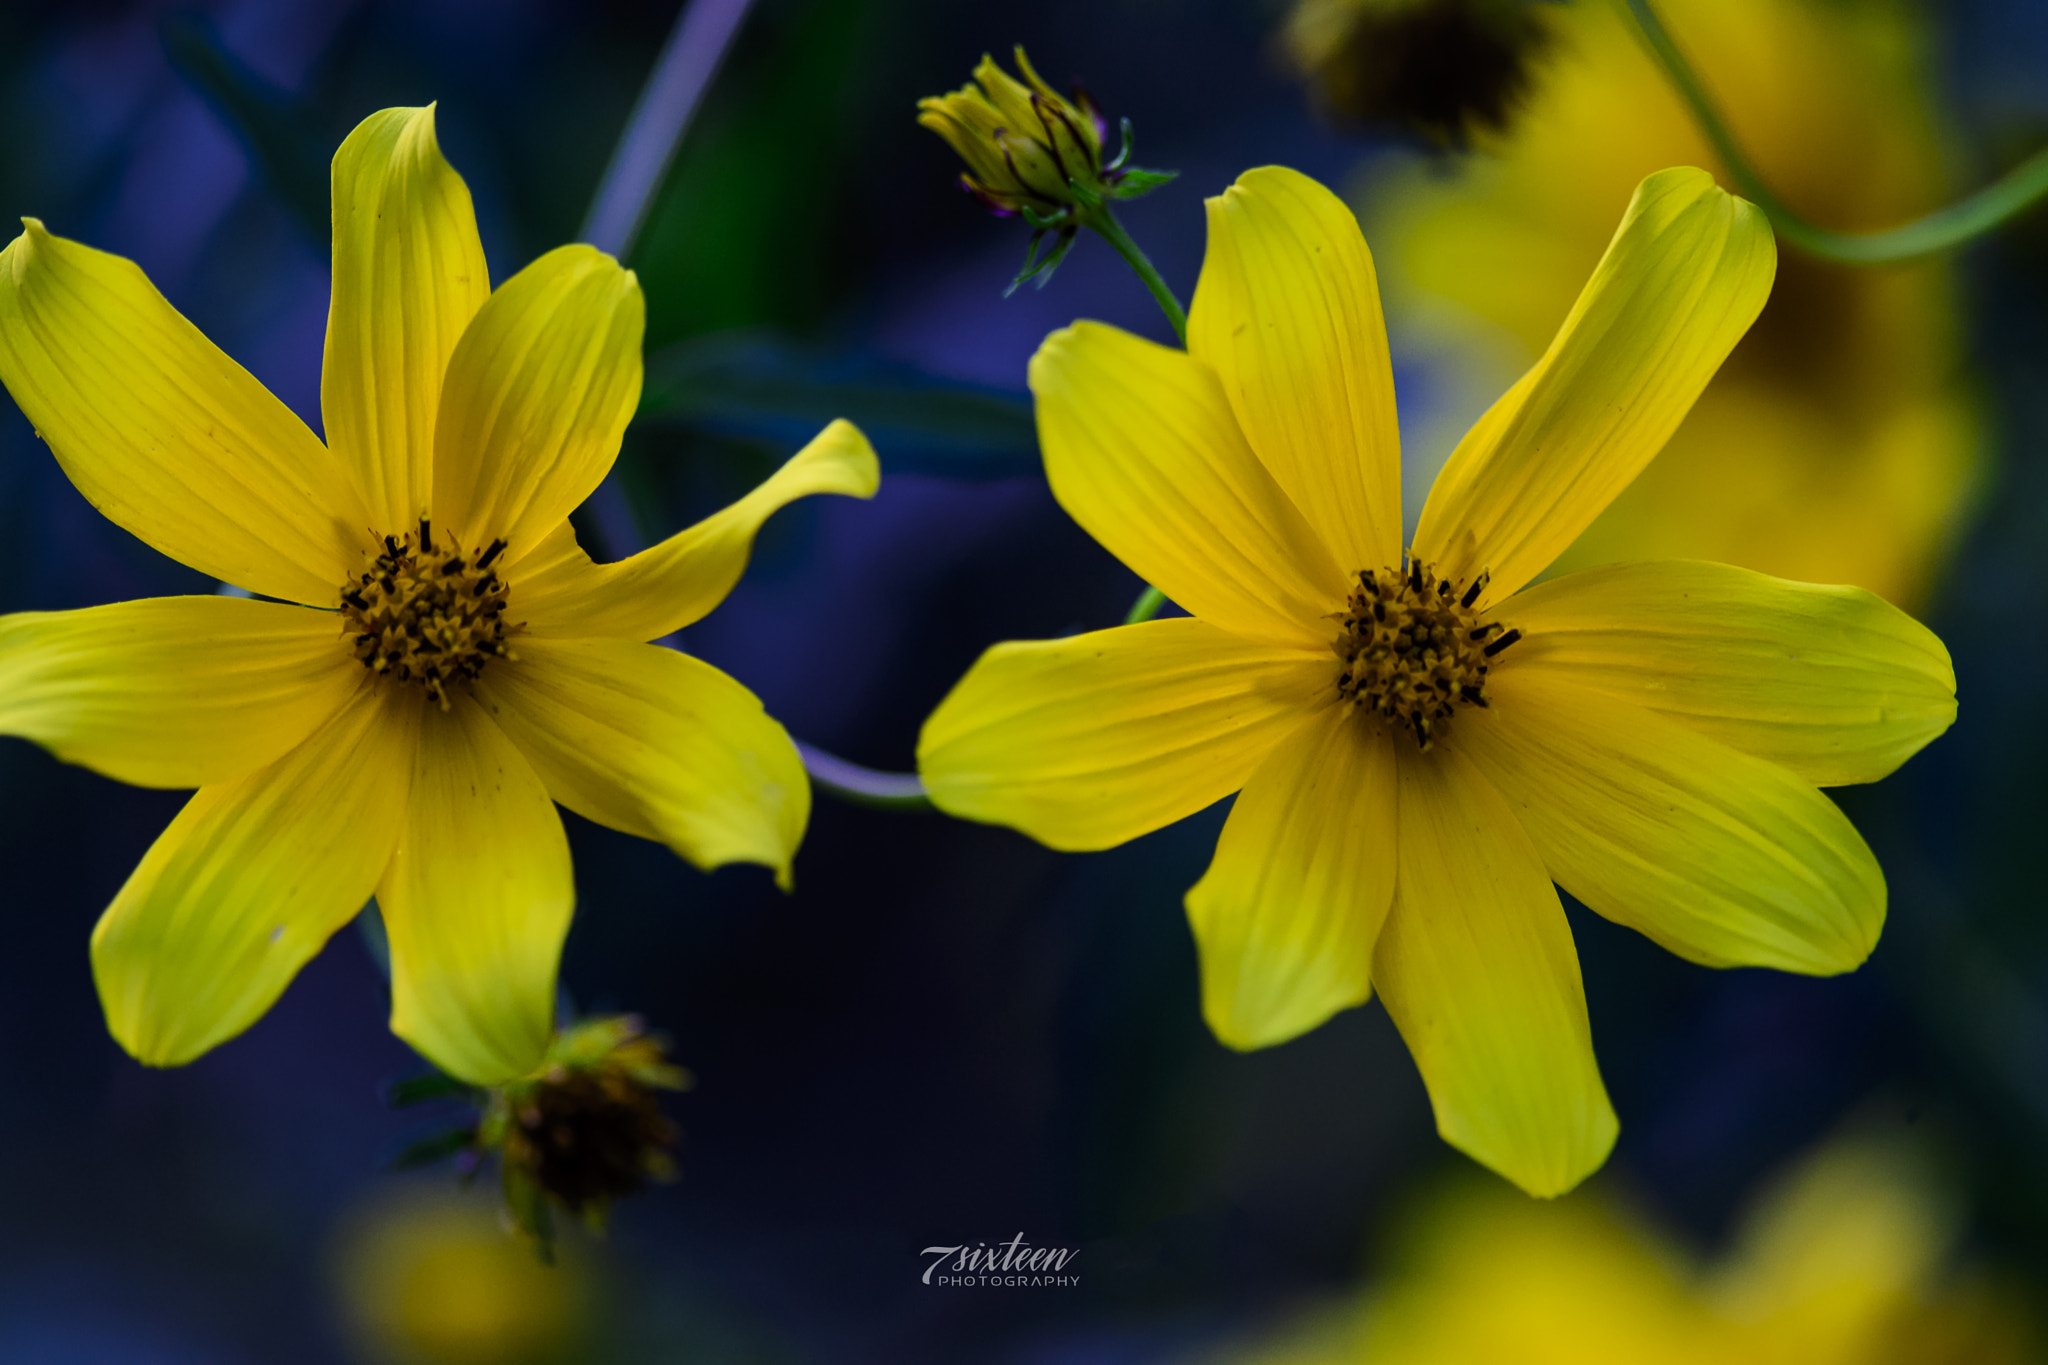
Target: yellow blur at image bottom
427	1276
1846	1260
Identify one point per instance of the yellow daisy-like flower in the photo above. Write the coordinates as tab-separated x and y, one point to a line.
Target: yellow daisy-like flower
441	664
1421	748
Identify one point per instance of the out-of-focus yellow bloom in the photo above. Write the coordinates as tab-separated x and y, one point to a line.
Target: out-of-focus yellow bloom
441	663
1422	747
1845	1263
425	1276
1443	68
1837	444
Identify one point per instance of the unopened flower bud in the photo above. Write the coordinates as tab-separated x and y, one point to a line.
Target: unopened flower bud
1034	153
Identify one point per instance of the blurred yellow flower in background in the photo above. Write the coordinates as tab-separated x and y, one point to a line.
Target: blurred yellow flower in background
426	1276
1838	443
1845	1261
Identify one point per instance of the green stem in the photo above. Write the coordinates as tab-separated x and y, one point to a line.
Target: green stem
1104	222
1960	222
1110	230
1146	607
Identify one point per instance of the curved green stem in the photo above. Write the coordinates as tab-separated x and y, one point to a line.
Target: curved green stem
1110	230
1958	223
1104	222
1146	607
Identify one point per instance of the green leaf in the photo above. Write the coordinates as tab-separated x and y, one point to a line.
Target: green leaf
757	384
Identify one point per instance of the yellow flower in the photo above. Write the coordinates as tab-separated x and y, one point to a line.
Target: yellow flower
1422	748
441	658
1024	145
1841	1263
425	1276
1839	444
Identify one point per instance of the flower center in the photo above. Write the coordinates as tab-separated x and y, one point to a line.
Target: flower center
1414	650
426	613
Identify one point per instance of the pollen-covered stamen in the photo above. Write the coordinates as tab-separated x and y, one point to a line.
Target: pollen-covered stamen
425	612
1413	649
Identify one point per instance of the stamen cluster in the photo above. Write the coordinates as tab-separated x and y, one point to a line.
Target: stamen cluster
1413	648
426	613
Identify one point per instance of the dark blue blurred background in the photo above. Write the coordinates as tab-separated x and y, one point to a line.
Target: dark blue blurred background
947	1033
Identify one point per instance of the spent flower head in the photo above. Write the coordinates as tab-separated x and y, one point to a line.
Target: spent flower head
1443	69
1033	153
586	1128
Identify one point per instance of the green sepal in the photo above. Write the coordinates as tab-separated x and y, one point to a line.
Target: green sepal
432	1149
1137	180
432	1085
1038	269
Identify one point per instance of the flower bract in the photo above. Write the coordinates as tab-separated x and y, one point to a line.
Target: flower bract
431	661
1421	744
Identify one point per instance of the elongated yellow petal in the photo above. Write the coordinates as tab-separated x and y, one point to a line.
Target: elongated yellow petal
1686	274
409	274
164	434
680	580
1722	858
1477	967
173	691
477	902
537	397
1834	684
657	744
1287	312
1287	914
1086	742
1142	449
250	879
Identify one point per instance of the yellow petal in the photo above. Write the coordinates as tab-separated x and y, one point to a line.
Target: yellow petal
250	879
1288	912
1834	684
678	581
657	744
1686	274
164	434
1477	967
477	902
173	691
1086	742
537	397
409	274
1287	312
1724	859
1142	449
